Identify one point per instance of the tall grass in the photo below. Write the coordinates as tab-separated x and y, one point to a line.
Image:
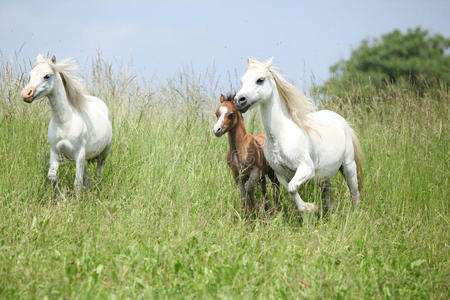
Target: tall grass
167	222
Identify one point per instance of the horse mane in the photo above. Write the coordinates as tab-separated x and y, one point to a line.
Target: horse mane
74	86
230	97
297	103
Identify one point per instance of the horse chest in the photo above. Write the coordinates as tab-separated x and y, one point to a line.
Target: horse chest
66	139
277	159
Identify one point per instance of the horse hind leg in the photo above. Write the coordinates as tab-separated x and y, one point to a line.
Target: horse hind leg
326	196
86	180
349	171
101	163
80	173
275	189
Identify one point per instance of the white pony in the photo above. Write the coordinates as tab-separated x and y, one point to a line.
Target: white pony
301	143
80	128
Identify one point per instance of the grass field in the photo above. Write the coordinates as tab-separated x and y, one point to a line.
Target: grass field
167	220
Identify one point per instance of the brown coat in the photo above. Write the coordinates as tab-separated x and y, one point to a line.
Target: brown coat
246	155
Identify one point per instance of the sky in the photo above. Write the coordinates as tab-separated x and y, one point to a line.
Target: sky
159	38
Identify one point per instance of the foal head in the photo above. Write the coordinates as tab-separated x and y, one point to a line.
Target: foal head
227	116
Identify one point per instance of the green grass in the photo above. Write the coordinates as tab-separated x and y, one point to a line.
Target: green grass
167	220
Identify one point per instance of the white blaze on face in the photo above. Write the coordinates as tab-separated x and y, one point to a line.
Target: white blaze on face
223	111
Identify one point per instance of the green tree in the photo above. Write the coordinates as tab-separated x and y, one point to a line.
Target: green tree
414	57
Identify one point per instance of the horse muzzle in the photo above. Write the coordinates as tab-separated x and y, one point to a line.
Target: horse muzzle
219	131
28	94
241	104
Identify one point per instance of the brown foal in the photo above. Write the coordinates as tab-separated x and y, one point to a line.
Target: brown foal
245	156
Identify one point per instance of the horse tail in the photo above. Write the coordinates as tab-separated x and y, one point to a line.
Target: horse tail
359	157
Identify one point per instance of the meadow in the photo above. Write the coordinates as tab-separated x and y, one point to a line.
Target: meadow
167	221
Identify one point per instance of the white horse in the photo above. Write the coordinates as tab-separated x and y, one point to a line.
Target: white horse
301	143
80	127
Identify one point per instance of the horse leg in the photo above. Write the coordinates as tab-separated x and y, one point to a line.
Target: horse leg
350	175
53	170
304	172
79	174
301	205
276	189
101	163
244	199
250	188
326	196
235	174
264	192
86	181
52	173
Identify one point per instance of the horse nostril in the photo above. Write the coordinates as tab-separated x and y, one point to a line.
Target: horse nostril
242	100
29	92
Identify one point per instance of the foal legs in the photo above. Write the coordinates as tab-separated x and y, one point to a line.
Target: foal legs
243	195
264	192
250	187
350	174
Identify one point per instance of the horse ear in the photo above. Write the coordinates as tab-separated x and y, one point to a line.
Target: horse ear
39	58
250	61
53	59
222	98
269	62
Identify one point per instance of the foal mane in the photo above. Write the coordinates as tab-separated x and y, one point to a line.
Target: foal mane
297	103
229	98
74	86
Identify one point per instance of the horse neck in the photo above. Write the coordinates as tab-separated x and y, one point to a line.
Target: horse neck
62	110
275	115
237	134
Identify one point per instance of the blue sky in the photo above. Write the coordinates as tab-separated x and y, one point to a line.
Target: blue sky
160	37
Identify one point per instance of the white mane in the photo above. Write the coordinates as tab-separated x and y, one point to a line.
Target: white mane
74	86
297	103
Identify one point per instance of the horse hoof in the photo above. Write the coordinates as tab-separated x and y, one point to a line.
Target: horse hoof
328	210
52	177
311	208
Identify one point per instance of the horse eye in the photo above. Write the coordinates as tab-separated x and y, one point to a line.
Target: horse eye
46	77
231	116
217	114
260	81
